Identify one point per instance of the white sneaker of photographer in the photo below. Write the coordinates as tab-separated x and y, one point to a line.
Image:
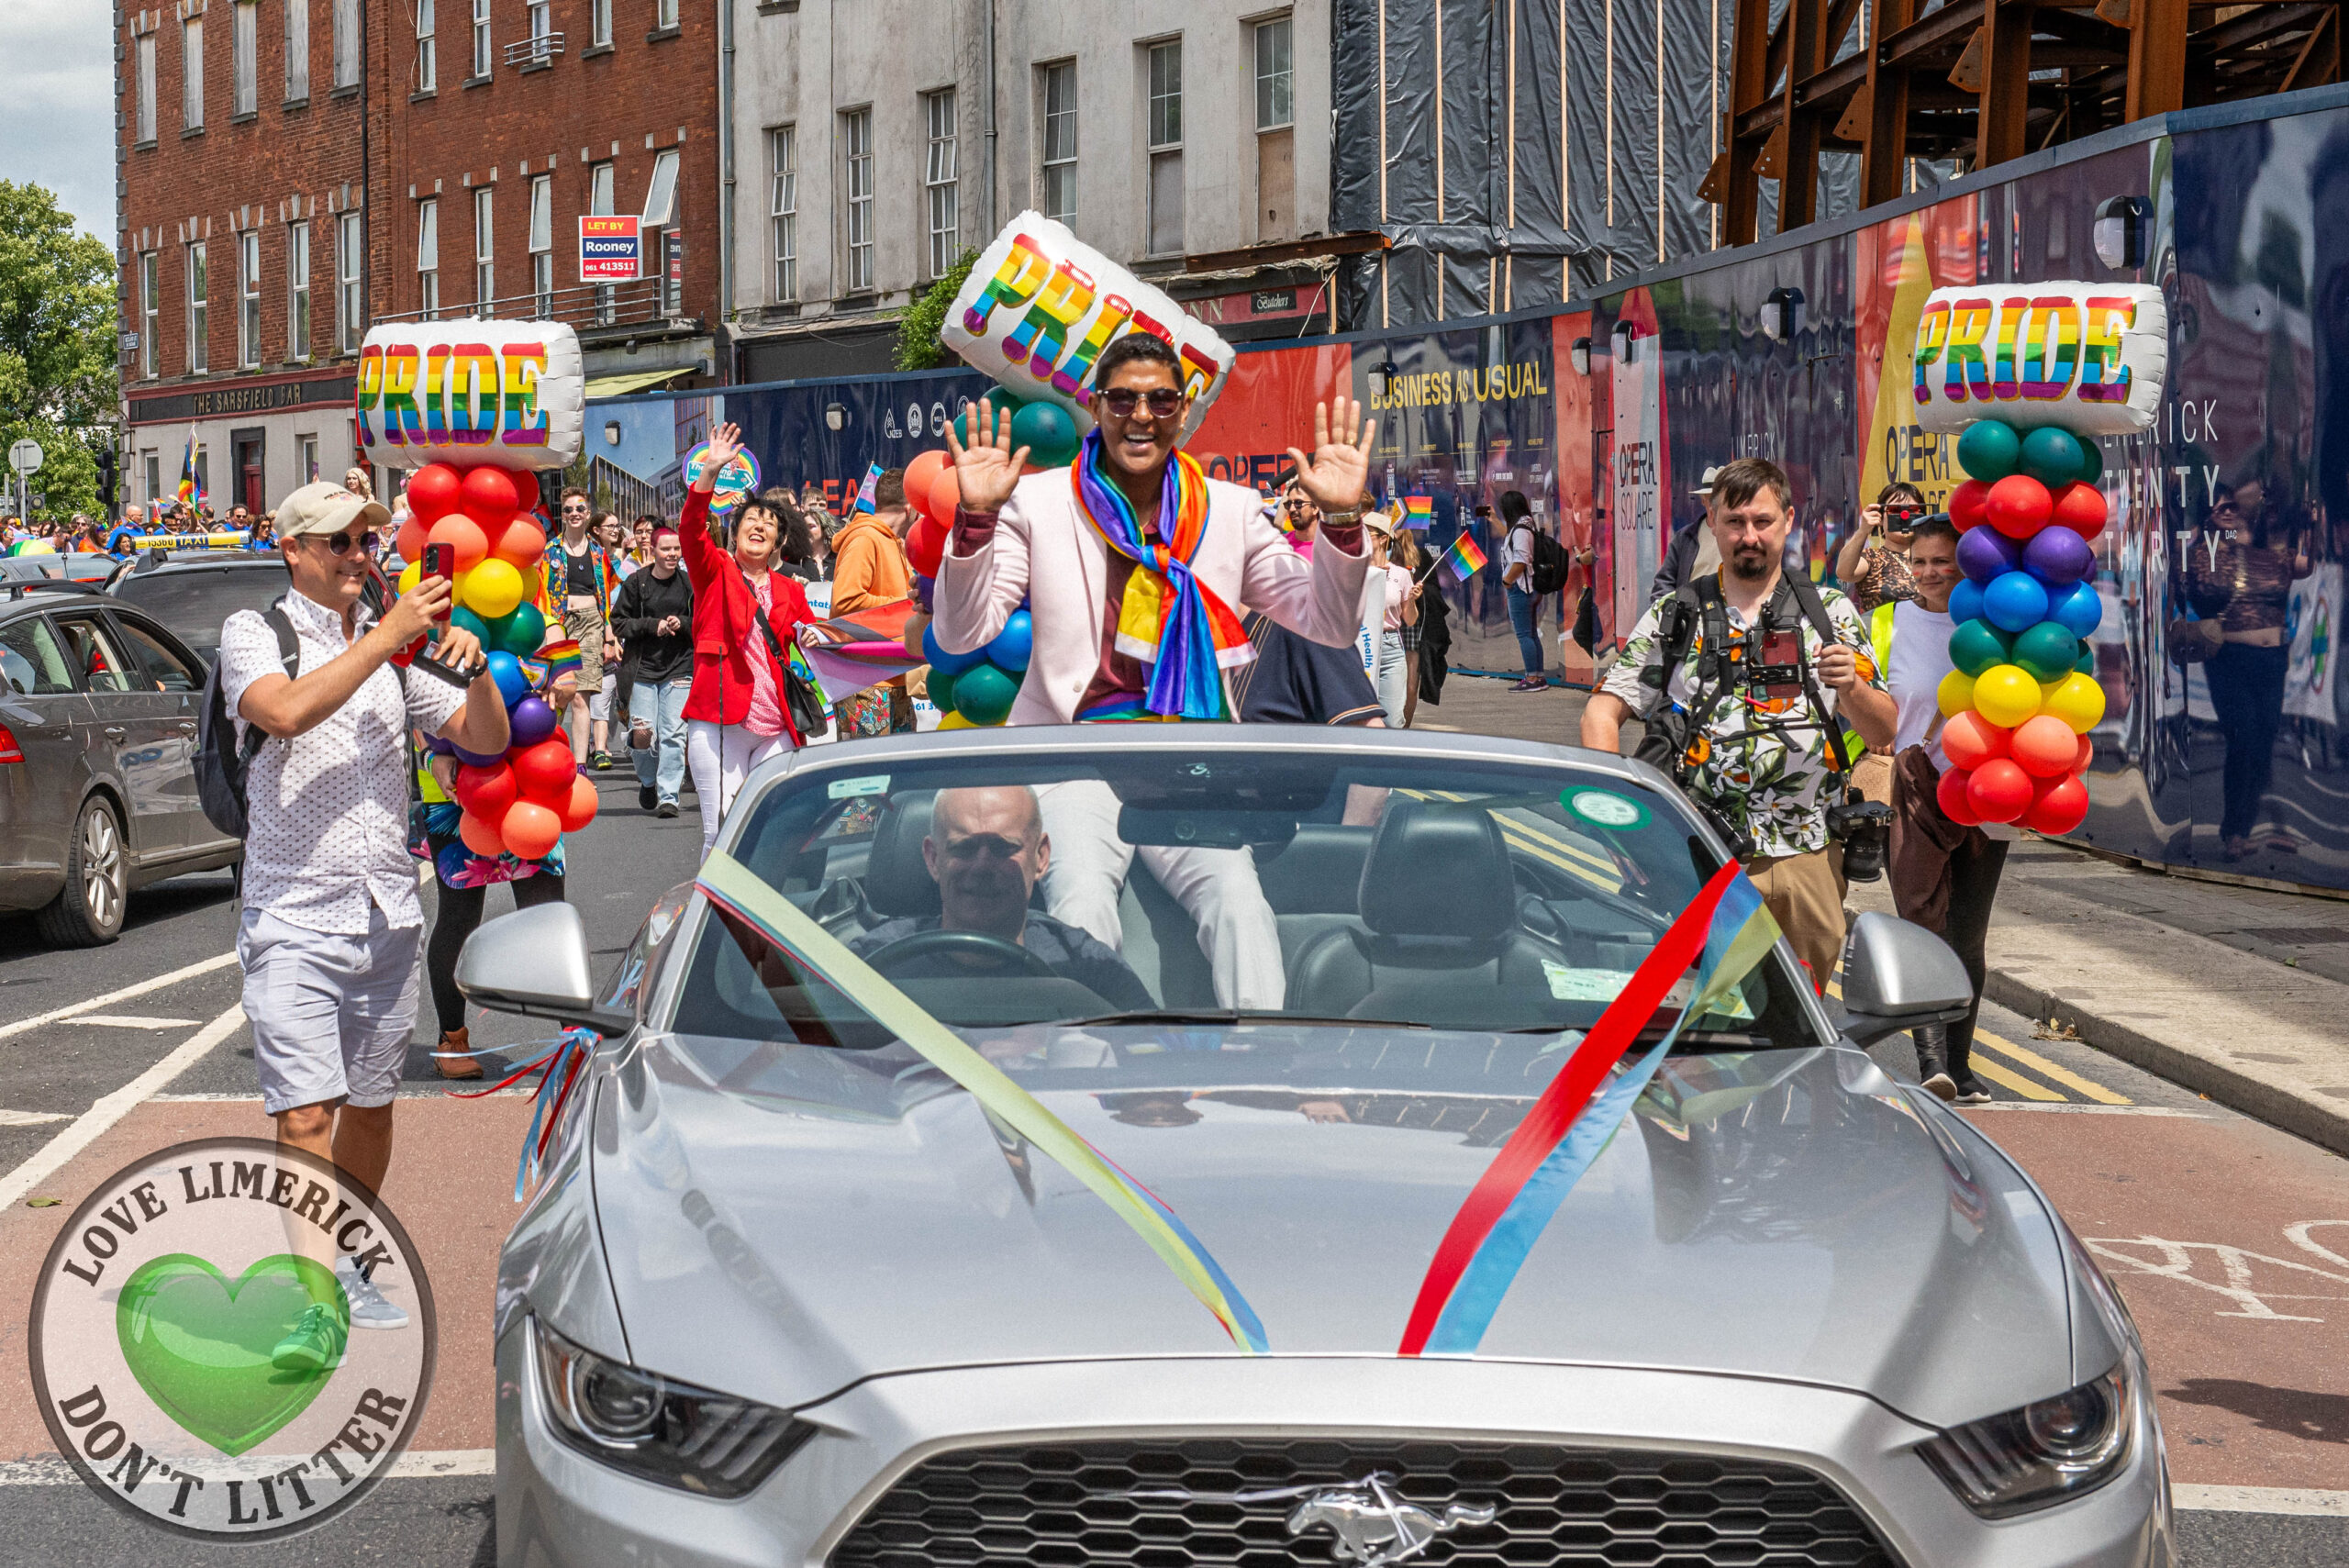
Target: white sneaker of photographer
369	1310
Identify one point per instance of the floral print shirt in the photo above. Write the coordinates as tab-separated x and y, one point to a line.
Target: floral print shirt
1773	787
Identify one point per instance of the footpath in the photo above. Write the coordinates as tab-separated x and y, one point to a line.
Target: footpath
2238	993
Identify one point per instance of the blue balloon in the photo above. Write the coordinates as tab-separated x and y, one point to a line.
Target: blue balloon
2015	602
1965	600
1012	645
512	683
2078	607
1985	554
953	663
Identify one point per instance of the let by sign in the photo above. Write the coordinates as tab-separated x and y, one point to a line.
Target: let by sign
610	249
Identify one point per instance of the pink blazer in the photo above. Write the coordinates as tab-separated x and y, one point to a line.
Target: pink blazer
1044	552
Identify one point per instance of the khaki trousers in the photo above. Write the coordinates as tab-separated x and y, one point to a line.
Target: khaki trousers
1805	896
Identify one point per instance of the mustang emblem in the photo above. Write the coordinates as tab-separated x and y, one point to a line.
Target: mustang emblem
1375	1528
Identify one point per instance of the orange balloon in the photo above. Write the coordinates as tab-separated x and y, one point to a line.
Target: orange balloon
480	837
529	829
413	535
945	493
1968	741
2044	746
521	542
925	468
580	810
471	544
2087	755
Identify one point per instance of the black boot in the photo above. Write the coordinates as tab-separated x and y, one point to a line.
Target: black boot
1959	1056
1933	1060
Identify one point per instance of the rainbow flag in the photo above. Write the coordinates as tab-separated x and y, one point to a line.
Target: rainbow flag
867	495
1465	558
1725	931
191	485
560	659
1418	511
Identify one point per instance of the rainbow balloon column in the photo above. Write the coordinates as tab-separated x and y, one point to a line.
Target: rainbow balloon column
975	690
2023	694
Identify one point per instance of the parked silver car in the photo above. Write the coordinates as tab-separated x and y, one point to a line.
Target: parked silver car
789	1292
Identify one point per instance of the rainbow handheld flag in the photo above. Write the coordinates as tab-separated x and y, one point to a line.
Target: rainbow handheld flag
191	482
867	495
1725	931
1418	511
1465	558
560	659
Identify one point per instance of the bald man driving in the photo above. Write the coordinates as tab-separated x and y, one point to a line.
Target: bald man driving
987	849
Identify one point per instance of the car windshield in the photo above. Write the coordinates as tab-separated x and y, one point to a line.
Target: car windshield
1245	887
195	603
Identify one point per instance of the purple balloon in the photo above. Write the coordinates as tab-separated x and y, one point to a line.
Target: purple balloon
434	744
924	588
2058	557
532	721
478	758
1985	554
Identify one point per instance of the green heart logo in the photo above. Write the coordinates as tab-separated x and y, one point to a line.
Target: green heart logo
201	1344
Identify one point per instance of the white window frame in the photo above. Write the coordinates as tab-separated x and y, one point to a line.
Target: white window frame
427	259
145	46
346	43
661	191
783	209
306	459
298	291
192	74
297	51
248	299
1058	145
151	313
484	62
941	188
350	317
856	200
1162	131
154	464
603	185
541	245
484	250
427	61
199	309
540	15
599	24
1276	78
244	59
664	13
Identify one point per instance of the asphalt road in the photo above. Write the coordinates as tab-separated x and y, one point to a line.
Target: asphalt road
2229	1240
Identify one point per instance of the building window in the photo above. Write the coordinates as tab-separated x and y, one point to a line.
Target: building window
154	477
346	43
856	143
599	204
1166	149
541	19
244	42
484	273
483	62
542	245
297	50
1275	80
664	13
661	213
599	24
150	315
192	74
306	459
939	181
249	297
146	46
298	291
198	357
1060	142
350	317
428	74
783	208
428	260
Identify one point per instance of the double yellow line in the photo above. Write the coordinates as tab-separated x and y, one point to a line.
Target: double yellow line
2008	1078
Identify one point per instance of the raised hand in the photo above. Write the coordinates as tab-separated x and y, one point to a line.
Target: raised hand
987	468
1334	475
724	442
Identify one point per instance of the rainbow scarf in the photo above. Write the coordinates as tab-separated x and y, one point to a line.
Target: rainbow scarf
1168	620
1725	931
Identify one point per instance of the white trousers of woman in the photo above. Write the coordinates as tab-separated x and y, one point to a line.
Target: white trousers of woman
720	757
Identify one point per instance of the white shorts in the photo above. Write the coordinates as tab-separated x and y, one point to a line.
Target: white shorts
331	1015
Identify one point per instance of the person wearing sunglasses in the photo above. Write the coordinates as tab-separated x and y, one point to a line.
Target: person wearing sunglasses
1129	553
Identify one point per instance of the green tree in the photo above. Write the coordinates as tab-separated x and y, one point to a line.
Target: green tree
58	381
919	347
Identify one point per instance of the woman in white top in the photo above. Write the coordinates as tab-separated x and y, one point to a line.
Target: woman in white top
1391	667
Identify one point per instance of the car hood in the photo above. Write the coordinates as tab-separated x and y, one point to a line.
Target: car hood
782	1220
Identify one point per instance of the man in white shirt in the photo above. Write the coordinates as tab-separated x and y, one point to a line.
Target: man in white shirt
331	924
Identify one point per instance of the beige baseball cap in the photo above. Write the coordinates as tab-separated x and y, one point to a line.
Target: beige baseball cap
326	508
1379	523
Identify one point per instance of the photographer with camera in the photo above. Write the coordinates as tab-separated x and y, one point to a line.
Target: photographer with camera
1746	678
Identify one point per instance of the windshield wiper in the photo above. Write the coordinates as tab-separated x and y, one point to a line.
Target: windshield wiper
1232	1016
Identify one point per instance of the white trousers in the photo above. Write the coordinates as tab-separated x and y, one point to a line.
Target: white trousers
721	756
1217	888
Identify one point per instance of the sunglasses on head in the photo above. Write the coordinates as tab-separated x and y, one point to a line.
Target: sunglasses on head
1164	401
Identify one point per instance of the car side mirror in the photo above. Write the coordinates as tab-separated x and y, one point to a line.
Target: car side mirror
534	962
1897	976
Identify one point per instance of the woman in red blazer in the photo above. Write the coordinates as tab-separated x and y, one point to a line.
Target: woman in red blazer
736	715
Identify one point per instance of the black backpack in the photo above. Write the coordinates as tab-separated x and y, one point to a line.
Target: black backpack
1551	564
221	760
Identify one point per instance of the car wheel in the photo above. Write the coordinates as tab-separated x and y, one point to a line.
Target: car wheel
88	911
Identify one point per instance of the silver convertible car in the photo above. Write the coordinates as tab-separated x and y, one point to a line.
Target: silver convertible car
1171	1145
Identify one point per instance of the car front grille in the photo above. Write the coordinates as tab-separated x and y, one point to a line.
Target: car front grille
1177	1504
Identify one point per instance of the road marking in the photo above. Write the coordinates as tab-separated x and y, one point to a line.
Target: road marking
2261	1500
414	1465
31	1118
2077	1108
21	1026
18	1184
129	1021
1985	1068
2052	1071
2237	1267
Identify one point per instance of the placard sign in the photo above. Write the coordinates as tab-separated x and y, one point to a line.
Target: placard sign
467	391
610	249
1040	305
2087	357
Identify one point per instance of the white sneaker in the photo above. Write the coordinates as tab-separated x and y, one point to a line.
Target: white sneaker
1942	1087
369	1310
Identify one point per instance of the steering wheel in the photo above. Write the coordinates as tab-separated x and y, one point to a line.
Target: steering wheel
990	955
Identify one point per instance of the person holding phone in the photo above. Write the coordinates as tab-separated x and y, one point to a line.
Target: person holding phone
1872	565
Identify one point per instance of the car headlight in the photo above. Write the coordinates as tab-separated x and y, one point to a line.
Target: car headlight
2041	1454
656	1428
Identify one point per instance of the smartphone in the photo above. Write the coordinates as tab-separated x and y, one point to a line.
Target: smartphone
440	561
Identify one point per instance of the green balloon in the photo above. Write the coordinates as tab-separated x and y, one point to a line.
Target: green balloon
464	619
1988	449
2047	651
2091	467
983	694
2051	454
520	631
2087	666
941	690
1977	646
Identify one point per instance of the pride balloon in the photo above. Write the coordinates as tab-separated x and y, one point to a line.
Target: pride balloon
433	492
953	663
486	791
2080	508
924	467
580	810
2044	747
529	829
506	671
1988	449
1998	791
413	532
2004	695
2018	506
2058	557
983	693
1967	503
2048	650
488	492
520	631
1954	797
2078	700
1968	741
532	721
925	544
520	542
2015	601
1011	646
492	589
2079	607
1976	645
2051	454
2057	805
1955	694
545	770
1965	602
480	835
464	535
1985	555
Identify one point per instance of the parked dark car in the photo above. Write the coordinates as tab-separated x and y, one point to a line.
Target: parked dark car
97	744
193	592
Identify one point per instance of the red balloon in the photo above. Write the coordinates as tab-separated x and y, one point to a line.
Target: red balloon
2045	747
580	810
1998	791
2018	505
545	771
1966	504
925	544
490	492
529	829
433	493
486	791
1968	741
925	468
1953	796
2086	755
2060	805
945	493
2081	509
482	837
461	531
521	541
413	534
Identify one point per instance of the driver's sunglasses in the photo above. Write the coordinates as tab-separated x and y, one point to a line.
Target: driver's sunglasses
1166	401
342	543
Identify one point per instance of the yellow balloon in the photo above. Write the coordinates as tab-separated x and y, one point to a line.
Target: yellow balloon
411	577
491	589
37	547
955	721
2078	700
2006	694
1956	693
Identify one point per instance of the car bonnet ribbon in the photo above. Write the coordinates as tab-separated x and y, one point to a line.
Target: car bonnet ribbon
1725	931
734	888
